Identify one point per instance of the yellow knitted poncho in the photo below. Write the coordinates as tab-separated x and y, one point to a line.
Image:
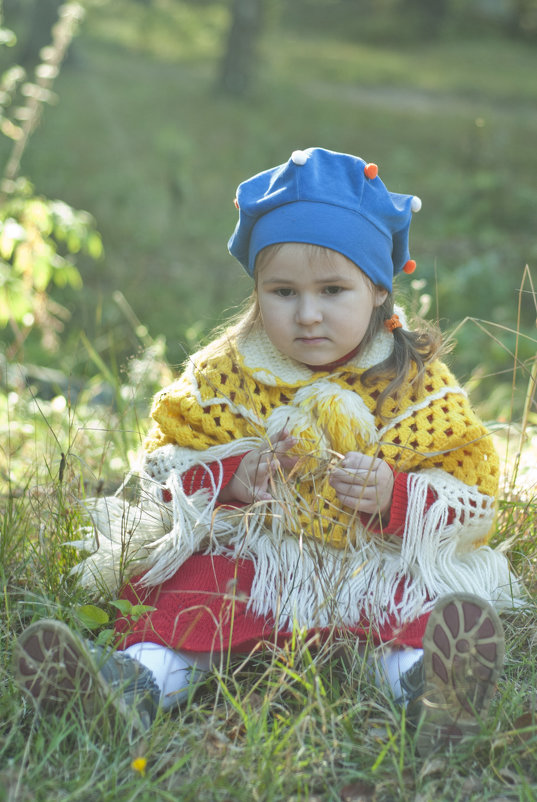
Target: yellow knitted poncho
316	562
252	391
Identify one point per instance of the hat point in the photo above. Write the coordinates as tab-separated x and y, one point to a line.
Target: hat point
415	203
371	170
299	157
409	266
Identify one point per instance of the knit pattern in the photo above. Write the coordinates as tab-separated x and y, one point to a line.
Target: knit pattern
315	563
220	400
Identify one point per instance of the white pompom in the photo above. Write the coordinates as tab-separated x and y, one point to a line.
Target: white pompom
415	204
299	157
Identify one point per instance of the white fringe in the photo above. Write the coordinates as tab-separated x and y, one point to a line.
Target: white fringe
300	581
153	537
297	579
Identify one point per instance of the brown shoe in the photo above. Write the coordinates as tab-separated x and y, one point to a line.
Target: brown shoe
464	650
60	670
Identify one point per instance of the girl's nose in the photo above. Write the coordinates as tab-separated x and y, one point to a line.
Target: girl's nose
308	310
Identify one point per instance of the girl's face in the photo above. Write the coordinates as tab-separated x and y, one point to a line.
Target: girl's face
315	304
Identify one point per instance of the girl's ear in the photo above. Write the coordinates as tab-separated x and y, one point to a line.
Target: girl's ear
379	296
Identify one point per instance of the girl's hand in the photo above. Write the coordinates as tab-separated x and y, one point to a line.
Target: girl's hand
251	480
364	484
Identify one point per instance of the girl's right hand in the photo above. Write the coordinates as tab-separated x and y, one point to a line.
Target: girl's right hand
251	480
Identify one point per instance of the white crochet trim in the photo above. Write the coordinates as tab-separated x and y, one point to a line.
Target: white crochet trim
239	409
269	366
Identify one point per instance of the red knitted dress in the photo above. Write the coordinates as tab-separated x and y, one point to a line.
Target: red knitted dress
203	606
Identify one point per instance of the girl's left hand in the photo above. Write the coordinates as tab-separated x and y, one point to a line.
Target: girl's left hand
364	484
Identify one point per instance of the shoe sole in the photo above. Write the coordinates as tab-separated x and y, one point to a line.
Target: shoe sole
464	651
52	665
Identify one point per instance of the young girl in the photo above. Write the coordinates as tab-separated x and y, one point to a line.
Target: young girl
316	467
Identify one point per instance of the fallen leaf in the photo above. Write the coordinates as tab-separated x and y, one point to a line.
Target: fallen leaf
527	723
358	791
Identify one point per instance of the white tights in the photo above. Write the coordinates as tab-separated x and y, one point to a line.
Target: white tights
391	664
174	671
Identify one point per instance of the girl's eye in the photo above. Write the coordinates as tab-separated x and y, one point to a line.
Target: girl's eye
333	290
283	292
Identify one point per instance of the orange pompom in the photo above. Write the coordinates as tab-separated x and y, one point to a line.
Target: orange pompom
236	202
409	267
393	323
371	170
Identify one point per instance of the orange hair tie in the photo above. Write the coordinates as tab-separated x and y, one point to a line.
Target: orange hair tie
393	323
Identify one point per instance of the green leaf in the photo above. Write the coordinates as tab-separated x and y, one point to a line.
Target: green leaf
11	233
139	610
92	616
41	273
134	611
73	241
15	302
123	605
65	273
94	246
5	309
105	637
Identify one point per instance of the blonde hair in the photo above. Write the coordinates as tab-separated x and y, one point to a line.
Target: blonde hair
418	346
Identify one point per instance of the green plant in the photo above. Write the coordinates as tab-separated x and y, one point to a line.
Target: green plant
39	238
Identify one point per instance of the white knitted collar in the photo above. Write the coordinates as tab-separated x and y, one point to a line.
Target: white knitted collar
271	367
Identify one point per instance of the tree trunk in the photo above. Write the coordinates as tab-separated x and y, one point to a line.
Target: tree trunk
429	16
522	20
239	63
37	22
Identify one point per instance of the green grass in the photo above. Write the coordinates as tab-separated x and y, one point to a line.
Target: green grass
140	139
292	724
422	66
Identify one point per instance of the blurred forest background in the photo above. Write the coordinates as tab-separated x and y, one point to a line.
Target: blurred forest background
159	108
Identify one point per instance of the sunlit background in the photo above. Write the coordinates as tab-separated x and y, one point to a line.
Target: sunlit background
162	107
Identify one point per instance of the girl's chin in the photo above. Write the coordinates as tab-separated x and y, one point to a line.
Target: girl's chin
315	353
